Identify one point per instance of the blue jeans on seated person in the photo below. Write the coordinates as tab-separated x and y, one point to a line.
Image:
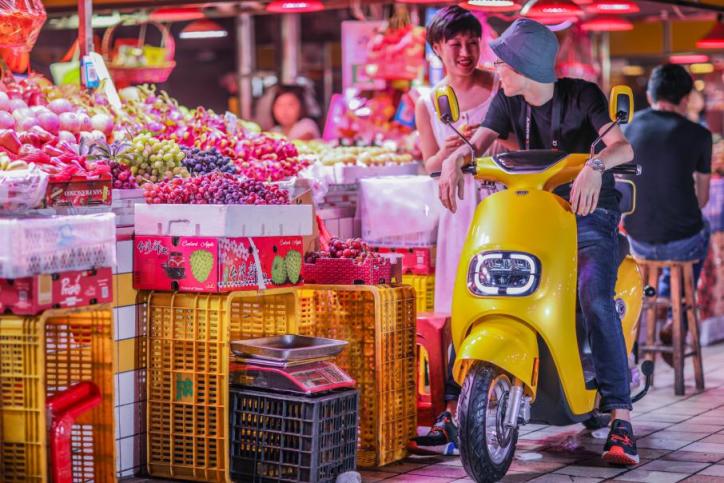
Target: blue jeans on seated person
597	271
692	248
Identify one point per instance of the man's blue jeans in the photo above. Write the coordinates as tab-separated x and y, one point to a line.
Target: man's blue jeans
597	270
693	248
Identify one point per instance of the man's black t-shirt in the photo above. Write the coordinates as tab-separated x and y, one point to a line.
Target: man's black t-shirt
670	148
583	112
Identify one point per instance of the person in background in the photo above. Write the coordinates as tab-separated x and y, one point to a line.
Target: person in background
454	35
696	109
290	114
675	154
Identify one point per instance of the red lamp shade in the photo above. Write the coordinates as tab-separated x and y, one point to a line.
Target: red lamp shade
491	5
557	23
169	14
203	29
614	6
714	39
689	59
607	24
295	6
561	9
422	1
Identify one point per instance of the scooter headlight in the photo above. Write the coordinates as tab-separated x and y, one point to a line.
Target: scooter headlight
503	274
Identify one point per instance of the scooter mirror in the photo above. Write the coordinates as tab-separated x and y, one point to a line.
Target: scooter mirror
446	104
620	107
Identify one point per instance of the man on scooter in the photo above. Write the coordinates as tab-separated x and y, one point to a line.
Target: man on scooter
543	112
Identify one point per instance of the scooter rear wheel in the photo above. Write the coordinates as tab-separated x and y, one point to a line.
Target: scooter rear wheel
486	448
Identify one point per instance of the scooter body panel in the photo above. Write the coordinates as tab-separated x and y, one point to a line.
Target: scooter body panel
630	291
538	223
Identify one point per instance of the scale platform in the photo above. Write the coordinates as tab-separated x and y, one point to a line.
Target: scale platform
289	363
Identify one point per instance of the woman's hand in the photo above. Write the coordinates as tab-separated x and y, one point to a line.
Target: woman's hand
453	142
451	182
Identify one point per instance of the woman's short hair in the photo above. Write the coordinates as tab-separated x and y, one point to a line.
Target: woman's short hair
451	21
296	91
669	82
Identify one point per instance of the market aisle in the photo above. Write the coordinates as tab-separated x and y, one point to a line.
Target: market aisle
679	439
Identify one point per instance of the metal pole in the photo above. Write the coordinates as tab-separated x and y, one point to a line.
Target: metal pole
606	61
245	62
328	75
85	29
291	42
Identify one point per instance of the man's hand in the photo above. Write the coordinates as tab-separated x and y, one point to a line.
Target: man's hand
451	183
585	191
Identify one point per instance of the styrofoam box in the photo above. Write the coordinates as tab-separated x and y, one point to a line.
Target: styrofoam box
224	220
348	174
33	245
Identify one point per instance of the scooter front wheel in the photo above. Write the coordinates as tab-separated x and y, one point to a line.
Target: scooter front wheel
486	446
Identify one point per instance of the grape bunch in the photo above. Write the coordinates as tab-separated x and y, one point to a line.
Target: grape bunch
214	188
122	176
352	248
154	160
198	162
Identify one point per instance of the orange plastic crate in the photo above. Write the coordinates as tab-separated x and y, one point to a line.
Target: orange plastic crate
43	355
424	286
379	324
188	373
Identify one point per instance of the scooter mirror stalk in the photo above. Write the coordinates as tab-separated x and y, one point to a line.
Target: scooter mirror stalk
620	110
448	111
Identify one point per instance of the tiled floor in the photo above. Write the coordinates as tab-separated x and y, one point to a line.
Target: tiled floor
679	439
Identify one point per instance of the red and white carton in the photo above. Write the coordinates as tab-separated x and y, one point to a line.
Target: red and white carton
415	260
216	264
346	271
32	295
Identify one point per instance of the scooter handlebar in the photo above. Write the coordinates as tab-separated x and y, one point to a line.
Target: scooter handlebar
628	168
468	169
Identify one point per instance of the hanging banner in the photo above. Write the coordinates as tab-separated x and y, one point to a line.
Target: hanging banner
356	36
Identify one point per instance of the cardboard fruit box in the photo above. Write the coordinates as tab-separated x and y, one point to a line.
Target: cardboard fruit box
79	191
199	264
345	271
415	260
32	295
219	248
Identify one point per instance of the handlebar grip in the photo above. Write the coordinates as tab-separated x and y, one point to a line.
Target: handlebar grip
628	168
468	169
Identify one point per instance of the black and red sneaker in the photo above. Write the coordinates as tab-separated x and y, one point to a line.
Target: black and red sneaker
620	446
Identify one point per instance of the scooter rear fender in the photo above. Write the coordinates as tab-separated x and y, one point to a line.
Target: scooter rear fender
505	342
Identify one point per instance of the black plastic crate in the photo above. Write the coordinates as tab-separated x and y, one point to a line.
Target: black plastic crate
283	437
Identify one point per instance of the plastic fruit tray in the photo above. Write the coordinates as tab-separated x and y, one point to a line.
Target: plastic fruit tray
424	286
345	271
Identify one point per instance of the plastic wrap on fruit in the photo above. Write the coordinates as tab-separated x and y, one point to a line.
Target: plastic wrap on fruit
22	185
20	23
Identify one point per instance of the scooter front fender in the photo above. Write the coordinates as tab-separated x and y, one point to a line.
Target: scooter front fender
504	342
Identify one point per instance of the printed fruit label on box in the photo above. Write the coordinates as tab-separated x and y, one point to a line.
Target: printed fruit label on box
280	260
196	264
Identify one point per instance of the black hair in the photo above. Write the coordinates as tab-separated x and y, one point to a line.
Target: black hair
669	82
451	21
296	91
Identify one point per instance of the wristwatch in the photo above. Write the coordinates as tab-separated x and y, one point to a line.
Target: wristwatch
596	164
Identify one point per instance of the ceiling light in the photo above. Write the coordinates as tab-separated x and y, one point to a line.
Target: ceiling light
714	39
689	59
169	14
283	6
607	24
491	5
614	6
421	1
554	9
632	70
705	68
203	29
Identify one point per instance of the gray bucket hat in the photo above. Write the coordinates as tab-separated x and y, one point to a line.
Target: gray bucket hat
530	48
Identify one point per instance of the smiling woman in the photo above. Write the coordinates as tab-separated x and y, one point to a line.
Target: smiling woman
455	36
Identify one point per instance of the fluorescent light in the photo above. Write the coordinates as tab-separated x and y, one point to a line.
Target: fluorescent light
701	68
204	35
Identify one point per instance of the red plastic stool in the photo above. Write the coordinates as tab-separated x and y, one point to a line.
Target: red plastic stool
63	409
433	334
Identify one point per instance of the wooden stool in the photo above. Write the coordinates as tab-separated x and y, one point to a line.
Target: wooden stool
680	301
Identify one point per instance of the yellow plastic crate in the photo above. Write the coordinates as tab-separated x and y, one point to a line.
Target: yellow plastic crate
424	286
43	355
188	373
379	325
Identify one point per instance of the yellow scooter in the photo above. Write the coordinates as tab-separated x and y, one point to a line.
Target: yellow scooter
522	349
